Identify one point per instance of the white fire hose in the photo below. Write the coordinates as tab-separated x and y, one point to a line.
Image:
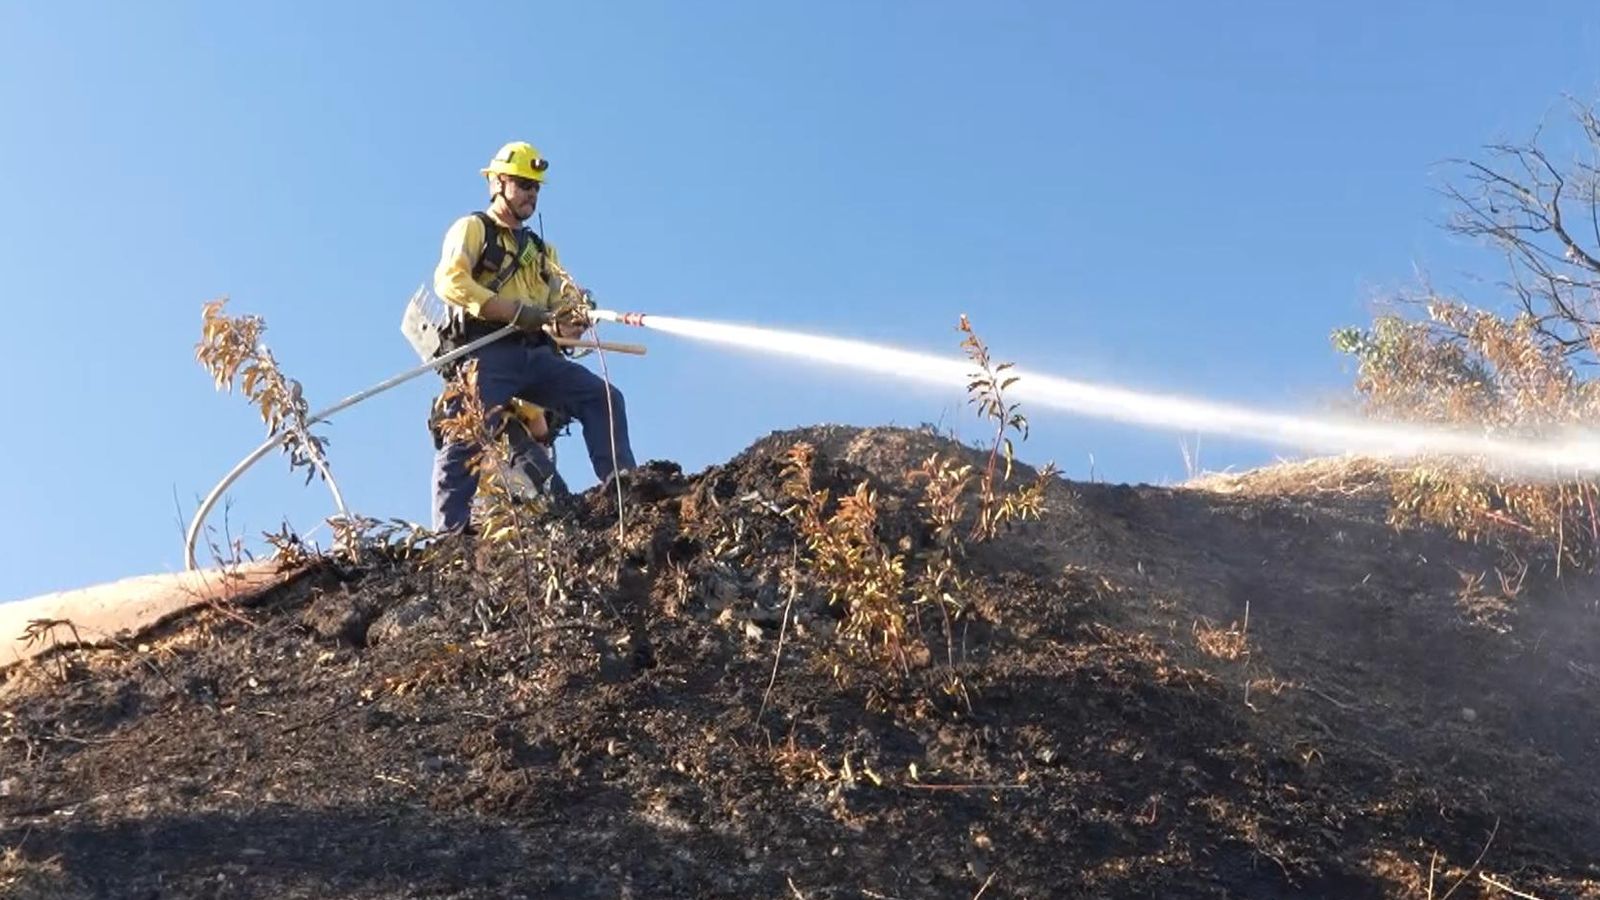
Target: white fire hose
277	440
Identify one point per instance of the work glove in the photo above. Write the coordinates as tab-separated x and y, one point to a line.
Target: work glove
571	314
531	319
533	419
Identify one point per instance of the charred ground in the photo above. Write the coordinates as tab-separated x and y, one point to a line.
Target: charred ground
1250	687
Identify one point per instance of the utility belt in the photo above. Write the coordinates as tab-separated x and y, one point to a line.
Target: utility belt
464	328
461	329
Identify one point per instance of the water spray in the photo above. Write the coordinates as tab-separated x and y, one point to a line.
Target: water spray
1530	459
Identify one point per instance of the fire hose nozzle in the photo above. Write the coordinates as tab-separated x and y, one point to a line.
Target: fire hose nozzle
611	315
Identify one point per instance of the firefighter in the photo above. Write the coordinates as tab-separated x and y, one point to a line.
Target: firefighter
494	270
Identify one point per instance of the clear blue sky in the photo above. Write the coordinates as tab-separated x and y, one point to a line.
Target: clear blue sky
1175	196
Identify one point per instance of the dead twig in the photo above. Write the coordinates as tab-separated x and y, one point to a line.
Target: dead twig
1347	707
548	628
218	605
564	625
964	787
1475	863
783	630
46	809
86	742
1486	879
39	629
337	709
146	661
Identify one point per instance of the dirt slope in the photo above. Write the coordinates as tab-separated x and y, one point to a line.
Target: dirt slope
409	728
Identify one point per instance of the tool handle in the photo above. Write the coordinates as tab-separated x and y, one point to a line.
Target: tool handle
635	349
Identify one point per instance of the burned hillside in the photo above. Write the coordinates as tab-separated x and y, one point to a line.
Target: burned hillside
1250	687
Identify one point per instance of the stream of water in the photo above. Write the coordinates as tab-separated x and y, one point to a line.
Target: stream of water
1576	454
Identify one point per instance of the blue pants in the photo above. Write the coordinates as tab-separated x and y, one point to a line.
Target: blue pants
514	366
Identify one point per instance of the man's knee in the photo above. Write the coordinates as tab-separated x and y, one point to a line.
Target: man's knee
595	393
607	403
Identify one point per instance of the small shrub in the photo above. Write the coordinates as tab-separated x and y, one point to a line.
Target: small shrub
882	591
859	572
231	350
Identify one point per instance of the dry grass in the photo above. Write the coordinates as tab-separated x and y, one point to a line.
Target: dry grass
1422	875
1346	476
1229	643
24	879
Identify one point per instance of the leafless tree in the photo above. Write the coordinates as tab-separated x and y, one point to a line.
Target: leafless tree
1544	214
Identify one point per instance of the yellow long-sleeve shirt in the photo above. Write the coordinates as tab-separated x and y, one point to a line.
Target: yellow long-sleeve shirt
463	244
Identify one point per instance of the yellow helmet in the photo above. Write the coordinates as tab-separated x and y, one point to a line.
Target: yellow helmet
518	159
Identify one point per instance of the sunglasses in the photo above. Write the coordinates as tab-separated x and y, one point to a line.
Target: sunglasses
527	184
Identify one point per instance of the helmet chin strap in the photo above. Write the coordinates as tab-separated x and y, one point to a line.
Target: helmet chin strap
505	200
511	208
